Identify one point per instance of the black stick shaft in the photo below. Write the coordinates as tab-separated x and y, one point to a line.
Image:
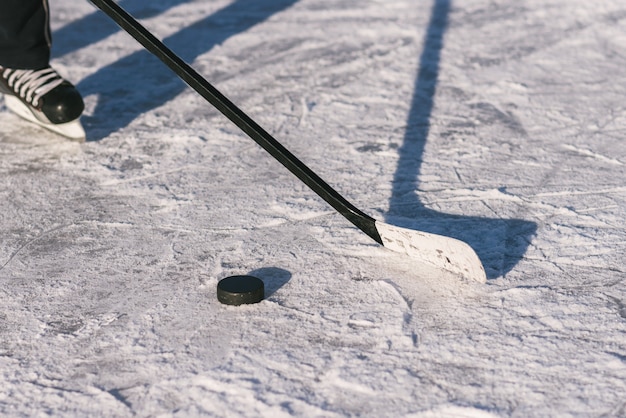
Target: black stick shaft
361	220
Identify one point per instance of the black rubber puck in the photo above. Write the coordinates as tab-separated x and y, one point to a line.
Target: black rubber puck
240	290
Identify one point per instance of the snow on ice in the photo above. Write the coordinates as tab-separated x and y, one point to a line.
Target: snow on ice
497	122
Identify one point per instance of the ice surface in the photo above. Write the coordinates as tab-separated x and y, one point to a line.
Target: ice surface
497	122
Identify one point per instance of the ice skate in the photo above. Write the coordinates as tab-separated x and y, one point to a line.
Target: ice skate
45	98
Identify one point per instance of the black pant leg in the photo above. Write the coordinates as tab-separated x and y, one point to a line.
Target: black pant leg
24	34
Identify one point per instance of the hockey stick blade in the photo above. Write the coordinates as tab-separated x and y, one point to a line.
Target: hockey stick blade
440	251
443	252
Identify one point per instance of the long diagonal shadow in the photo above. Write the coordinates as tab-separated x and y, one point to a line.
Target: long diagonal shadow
139	83
95	26
499	243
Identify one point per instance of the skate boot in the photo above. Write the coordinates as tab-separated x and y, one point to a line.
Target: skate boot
45	98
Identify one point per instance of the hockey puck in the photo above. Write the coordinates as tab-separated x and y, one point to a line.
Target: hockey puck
240	290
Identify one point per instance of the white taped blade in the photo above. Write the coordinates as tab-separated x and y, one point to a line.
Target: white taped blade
444	252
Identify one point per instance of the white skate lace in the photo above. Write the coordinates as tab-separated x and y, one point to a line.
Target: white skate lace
31	85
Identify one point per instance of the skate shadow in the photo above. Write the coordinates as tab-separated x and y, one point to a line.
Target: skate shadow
97	26
499	243
140	83
273	278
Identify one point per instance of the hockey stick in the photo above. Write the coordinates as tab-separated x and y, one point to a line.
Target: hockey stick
443	252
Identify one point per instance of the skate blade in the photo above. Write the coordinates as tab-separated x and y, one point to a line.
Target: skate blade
72	130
